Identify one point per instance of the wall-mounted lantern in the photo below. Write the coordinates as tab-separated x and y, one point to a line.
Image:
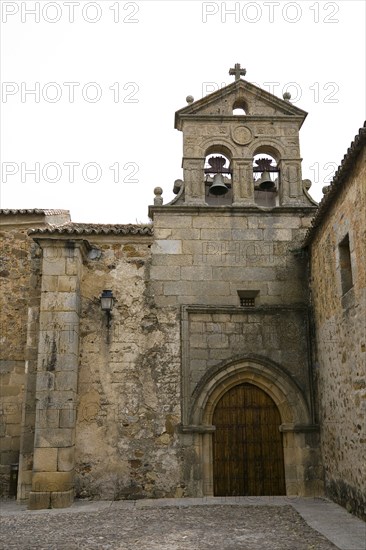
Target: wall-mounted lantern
106	302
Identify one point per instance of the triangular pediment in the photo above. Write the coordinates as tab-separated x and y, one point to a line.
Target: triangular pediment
258	102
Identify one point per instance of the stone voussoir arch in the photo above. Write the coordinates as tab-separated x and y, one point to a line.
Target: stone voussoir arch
261	372
218	145
267	145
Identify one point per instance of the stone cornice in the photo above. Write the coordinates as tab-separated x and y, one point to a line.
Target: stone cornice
230	210
240	309
241	118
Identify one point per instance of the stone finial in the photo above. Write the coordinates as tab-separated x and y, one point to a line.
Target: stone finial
287	96
158	200
189	99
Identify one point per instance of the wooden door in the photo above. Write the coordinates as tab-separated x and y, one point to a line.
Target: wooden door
247	444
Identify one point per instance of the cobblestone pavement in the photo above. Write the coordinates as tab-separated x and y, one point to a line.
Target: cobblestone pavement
130	526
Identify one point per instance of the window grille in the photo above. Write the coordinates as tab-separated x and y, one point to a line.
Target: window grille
247	302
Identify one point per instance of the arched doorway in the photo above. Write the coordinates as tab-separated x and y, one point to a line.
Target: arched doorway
247	444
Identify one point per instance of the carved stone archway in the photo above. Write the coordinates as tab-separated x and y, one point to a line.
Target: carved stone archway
299	456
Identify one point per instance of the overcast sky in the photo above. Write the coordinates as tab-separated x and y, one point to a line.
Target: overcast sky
97	133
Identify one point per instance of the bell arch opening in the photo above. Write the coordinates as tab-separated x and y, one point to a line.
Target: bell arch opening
218	149
266	178
218	176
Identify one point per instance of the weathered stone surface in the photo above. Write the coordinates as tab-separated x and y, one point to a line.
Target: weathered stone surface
45	460
54	437
341	343
39	500
62	499
51	481
20	286
65	459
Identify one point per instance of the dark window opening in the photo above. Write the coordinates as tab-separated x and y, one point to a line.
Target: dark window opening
248	297
345	265
240	108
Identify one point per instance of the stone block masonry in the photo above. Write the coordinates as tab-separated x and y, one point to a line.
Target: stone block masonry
223	256
19	306
341	342
57	375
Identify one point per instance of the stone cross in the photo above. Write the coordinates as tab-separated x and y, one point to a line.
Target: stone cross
237	71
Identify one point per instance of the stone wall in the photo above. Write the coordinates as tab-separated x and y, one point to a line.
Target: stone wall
129	386
207	256
203	262
20	280
217	336
20	293
108	412
341	342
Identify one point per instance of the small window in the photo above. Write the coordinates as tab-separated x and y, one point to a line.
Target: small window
345	265
248	297
240	108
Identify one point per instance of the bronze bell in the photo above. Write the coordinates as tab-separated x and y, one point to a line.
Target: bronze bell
264	183
218	186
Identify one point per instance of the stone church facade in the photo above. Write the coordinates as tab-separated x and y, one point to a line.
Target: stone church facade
211	375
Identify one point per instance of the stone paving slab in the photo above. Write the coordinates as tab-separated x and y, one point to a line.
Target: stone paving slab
345	530
250	523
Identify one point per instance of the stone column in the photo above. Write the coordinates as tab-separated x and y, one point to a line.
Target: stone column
291	182
243	186
57	375
194	180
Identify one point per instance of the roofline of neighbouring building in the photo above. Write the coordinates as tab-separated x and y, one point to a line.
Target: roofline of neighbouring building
93	229
336	186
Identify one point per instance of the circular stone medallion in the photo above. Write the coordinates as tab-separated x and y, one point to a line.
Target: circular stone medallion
242	135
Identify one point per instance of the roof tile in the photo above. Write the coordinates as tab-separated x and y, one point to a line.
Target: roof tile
94	229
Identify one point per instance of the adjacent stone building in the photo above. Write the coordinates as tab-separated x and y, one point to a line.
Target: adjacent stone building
337	251
200	380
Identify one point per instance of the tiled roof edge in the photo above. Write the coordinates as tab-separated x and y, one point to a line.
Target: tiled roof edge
32	211
336	185
93	229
